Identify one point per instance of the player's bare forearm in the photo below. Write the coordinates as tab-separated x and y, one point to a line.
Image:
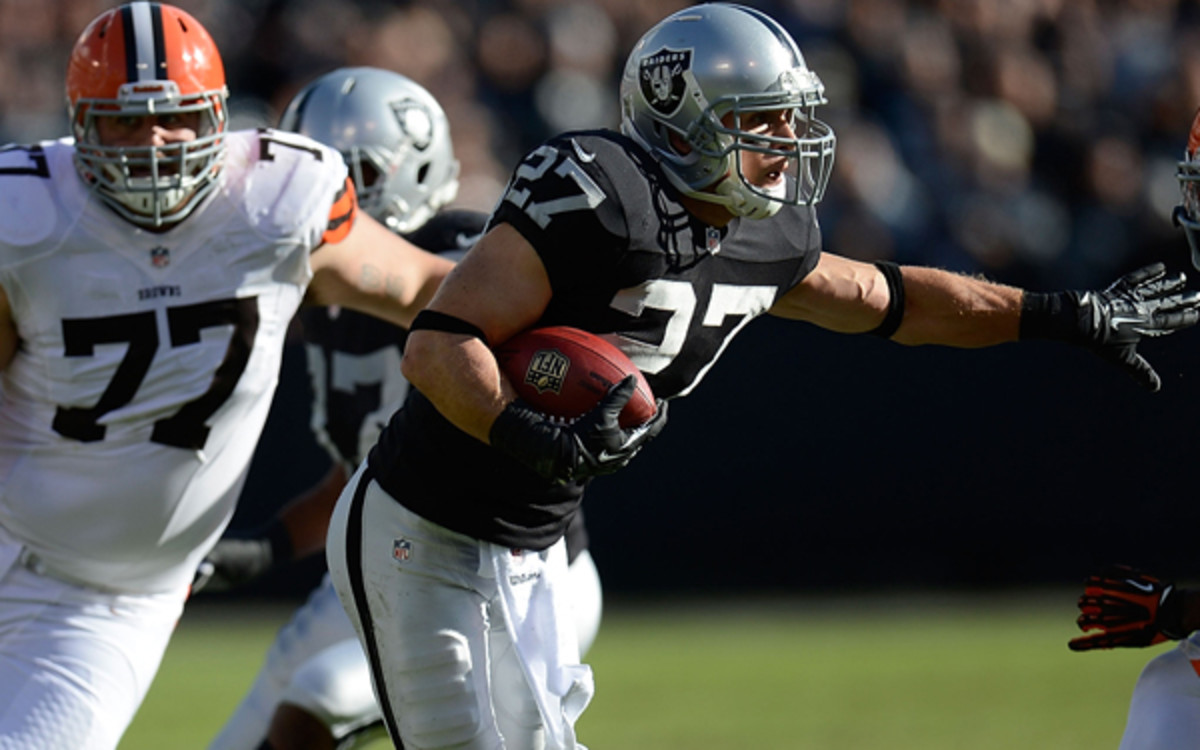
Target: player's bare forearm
376	272
956	310
460	377
839	294
500	287
398	294
940	307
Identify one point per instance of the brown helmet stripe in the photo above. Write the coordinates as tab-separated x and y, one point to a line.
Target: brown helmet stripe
145	53
160	46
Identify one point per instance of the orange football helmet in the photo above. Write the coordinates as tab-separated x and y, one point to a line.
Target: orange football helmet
1187	214
148	59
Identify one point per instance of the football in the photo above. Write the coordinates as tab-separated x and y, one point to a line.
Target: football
563	372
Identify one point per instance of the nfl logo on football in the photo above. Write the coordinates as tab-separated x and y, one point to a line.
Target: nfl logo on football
401	549
547	370
160	257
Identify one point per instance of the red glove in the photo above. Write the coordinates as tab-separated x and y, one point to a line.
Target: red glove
1128	609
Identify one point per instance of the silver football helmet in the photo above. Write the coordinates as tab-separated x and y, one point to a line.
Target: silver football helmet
393	135
696	74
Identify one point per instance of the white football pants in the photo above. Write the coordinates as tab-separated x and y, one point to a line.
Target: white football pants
444	659
316	662
1164	713
310	665
75	663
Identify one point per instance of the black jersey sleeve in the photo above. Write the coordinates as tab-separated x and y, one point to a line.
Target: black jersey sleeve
449	231
563	199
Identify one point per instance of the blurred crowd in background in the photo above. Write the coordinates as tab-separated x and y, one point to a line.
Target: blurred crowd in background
1034	141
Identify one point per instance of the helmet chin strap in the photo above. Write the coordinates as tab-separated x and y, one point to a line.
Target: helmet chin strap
744	202
731	194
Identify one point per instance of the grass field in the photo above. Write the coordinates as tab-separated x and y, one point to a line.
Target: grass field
930	672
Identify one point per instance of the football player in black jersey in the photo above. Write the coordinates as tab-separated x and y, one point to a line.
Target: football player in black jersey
667	239
314	688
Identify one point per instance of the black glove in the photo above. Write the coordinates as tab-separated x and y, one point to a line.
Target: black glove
239	558
592	445
1112	322
1128	609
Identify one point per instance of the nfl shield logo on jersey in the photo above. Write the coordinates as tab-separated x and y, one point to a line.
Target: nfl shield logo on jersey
401	549
160	257
712	240
662	79
547	370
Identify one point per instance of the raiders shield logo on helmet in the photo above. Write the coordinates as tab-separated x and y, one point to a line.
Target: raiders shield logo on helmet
662	79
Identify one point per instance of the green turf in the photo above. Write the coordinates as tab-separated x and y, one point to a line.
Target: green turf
943	673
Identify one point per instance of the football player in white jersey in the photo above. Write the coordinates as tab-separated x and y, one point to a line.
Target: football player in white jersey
149	267
314	688
666	239
1122	607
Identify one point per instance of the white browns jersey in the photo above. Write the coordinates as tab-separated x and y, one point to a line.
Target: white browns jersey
147	361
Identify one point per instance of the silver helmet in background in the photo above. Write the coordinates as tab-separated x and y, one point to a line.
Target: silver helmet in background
697	74
393	135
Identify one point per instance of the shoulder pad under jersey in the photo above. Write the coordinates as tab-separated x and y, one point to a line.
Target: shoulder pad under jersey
35	181
572	191
285	182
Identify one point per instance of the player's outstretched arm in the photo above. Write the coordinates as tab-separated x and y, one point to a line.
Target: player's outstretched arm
377	272
926	305
929	306
1122	607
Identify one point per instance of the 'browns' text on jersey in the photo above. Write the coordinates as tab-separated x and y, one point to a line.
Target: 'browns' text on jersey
147	360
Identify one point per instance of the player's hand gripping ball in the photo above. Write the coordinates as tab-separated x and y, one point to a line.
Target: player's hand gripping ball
563	372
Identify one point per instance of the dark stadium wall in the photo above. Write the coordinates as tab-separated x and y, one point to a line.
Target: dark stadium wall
810	461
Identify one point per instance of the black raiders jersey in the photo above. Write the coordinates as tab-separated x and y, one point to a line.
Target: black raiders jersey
627	261
354	362
354	358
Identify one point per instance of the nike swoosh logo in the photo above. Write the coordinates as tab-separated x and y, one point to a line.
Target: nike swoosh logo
584	156
623	452
1147	587
1119	320
465	241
